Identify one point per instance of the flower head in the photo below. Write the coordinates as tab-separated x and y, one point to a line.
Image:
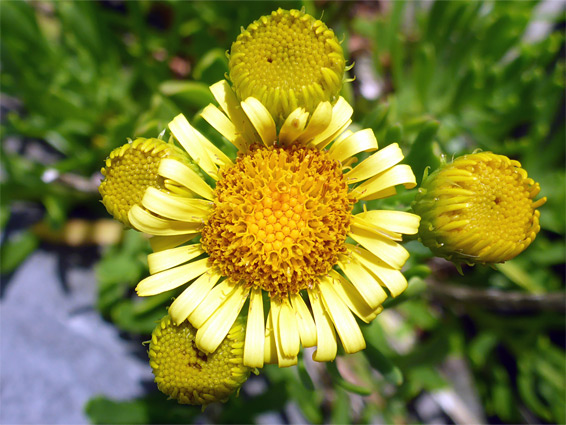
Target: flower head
190	376
287	60
275	227
131	169
478	209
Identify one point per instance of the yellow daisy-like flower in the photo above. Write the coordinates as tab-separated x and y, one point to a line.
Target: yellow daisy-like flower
190	376
478	209
131	169
275	229
286	60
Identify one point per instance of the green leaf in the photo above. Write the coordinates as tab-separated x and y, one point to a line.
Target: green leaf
4	215
481	347
514	272
416	287
426	378
140	316
56	207
16	250
340	413
422	153
527	384
304	375
393	134
152	409
340	381
502	396
102	410
378	361
212	66
377	117
192	93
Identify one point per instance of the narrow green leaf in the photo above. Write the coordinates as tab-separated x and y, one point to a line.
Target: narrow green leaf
422	153
378	361
101	410
192	93
340	381
393	134
377	117
16	250
341	408
481	347
304	375
212	66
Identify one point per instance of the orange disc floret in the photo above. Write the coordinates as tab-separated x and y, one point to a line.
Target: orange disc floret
280	220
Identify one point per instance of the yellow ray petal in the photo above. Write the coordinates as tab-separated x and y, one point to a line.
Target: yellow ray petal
352	297
341	114
163	260
326	337
392	221
227	100
375	164
373	227
270	347
216	118
261	120
369	288
255	331
176	207
293	126
389	251
201	150
215	329
390	277
320	119
283	360
361	141
307	328
161	243
344	322
373	188
211	303
146	222
288	330
174	170
176	189
191	297
170	279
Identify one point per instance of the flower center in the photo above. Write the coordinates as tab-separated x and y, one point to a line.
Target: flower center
280	220
286	60
187	374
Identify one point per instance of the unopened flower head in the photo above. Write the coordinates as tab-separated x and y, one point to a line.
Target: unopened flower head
287	60
132	168
190	376
478	209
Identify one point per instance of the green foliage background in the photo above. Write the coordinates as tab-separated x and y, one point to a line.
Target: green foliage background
81	77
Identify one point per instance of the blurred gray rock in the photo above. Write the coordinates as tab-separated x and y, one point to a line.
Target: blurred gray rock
56	352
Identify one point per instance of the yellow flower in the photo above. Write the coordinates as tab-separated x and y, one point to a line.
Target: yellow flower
132	168
287	60
478	209
190	376
275	229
